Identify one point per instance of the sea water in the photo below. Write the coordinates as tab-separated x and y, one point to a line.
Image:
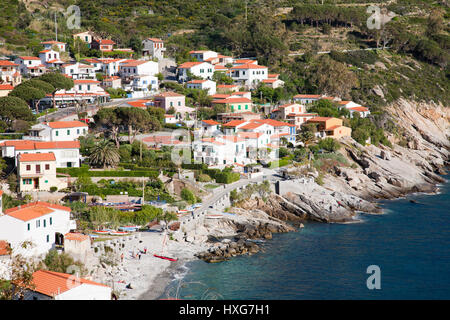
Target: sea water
409	243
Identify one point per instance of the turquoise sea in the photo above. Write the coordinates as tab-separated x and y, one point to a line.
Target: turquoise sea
410	243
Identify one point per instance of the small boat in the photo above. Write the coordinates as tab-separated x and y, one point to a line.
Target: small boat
101	231
118	233
165	258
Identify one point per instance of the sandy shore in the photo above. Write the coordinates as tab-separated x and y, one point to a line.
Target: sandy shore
147	276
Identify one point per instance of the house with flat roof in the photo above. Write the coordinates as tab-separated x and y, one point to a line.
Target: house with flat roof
153	48
203	70
208	85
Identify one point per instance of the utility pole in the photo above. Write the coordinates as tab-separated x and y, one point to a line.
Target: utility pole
56	28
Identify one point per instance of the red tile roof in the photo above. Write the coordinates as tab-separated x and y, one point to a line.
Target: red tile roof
273	123
155	39
85	81
6	87
250	135
29	58
226	86
249	66
4	248
53	283
65	124
234	123
106	41
233	100
196	81
76	237
34	210
359	109
210	122
36	145
6	63
188	65
232	138
29	157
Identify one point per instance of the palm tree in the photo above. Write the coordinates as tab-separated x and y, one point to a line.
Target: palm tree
104	154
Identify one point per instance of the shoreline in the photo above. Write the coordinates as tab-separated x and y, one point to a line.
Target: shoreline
160	285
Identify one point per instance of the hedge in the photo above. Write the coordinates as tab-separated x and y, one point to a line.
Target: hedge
85	172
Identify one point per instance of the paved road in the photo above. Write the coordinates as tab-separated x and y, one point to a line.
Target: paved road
324	52
269	174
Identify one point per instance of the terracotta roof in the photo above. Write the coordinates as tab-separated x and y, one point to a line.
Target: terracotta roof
344	102
65	124
287	105
6	87
5	63
76	236
53	283
4	248
188	65
273	75
220	96
210	122
273	123
213	140
233	100
36	145
249	66
138	103
359	109
197	81
29	157
155	39
85	81
234	123
29	58
133	63
34	210
220	67
44	51
244	61
251	125
269	80
106	41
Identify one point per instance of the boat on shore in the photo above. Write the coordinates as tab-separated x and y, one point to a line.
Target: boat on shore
118	233
165	258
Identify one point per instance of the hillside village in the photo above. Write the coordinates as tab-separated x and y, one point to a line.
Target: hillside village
104	157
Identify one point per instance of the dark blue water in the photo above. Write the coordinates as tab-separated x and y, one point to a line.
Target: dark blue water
410	244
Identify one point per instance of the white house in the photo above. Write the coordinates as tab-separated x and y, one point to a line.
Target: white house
67	153
145	83
249	74
94	62
41	223
48	45
79	71
306	98
9	73
204	70
50	58
57	131
154	48
83	90
208	85
208	128
114	82
30	66
37	172
50	285
203	55
354	107
131	68
110	66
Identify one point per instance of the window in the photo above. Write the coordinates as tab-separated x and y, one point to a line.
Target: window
28	227
80	87
38	223
56	133
68	132
78	131
46	181
171	104
202	70
45	223
28	167
239	107
246	106
84	130
179	103
89	87
48	238
51	221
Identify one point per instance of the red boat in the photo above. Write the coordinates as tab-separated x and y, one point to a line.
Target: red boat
165	258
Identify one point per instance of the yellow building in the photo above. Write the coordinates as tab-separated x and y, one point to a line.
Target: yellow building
328	127
37	172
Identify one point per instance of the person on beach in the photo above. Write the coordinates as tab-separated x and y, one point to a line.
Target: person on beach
139	256
145	250
121	257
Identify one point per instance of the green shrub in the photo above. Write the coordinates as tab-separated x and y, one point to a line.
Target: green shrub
53	189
